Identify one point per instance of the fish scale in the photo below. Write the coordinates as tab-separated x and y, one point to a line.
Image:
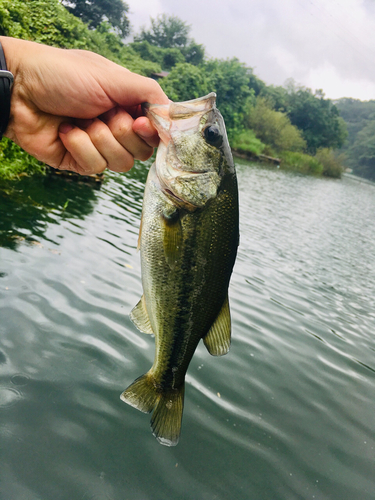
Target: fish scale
188	242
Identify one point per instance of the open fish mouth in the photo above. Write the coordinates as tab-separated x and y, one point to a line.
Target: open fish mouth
183	115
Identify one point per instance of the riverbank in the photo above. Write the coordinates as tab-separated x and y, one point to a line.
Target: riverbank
324	163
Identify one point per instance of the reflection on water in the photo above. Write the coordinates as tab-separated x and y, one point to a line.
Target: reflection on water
287	414
29	206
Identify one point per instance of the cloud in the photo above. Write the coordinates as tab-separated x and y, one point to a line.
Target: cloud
328	45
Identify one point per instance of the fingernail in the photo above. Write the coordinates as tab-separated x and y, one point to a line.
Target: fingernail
65	128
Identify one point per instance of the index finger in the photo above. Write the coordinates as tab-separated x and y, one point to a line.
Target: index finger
129	89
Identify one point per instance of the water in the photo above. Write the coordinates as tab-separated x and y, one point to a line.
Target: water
287	414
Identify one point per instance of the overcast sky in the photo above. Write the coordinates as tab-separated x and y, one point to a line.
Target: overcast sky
321	44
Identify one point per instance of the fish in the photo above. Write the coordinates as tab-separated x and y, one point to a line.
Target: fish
188	241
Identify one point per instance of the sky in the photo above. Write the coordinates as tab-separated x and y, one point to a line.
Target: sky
321	44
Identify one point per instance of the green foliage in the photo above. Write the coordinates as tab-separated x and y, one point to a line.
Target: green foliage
277	97
169	33
14	162
166	58
44	21
194	53
47	21
316	117
166	32
243	99
359	115
363	150
332	164
245	140
230	79
301	162
185	82
94	12
274	128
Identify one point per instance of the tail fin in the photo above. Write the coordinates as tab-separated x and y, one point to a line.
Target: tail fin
141	394
167	416
168	406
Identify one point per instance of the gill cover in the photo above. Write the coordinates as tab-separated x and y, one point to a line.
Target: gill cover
192	151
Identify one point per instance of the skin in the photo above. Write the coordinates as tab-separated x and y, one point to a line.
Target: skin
78	111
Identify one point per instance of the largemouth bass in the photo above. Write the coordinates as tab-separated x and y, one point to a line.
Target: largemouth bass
188	241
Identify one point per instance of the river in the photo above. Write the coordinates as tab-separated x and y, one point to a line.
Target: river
287	414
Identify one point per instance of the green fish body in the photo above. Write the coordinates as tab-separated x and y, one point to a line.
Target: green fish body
188	241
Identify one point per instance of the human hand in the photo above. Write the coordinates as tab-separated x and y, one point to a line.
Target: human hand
78	111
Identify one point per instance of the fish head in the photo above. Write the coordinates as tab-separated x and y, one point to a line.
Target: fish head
194	154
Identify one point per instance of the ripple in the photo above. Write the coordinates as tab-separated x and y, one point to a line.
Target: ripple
20	379
9	397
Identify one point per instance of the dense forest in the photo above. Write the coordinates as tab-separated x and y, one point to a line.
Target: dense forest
359	148
301	127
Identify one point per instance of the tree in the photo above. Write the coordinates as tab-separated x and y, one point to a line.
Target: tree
93	12
230	79
364	151
170	32
277	97
316	117
166	32
194	53
185	82
167	58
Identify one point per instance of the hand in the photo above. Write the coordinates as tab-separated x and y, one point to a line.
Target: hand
76	110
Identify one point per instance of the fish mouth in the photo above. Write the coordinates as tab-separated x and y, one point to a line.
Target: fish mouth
184	115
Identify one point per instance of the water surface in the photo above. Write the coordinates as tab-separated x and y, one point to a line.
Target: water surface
287	414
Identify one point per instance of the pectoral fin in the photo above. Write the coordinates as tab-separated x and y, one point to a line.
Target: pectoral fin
172	238
140	317
139	234
217	340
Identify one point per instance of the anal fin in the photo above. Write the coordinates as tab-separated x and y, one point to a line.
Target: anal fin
217	340
140	318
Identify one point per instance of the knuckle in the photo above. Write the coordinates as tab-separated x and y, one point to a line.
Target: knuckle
145	154
98	133
124	125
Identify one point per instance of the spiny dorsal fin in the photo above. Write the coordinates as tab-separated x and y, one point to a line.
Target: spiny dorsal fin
217	340
140	317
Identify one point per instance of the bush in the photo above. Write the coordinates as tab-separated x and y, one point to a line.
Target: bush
247	141
274	128
301	162
332	165
14	162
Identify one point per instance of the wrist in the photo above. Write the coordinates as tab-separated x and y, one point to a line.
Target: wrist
6	83
15	51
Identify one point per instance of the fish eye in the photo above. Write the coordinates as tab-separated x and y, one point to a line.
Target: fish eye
213	136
